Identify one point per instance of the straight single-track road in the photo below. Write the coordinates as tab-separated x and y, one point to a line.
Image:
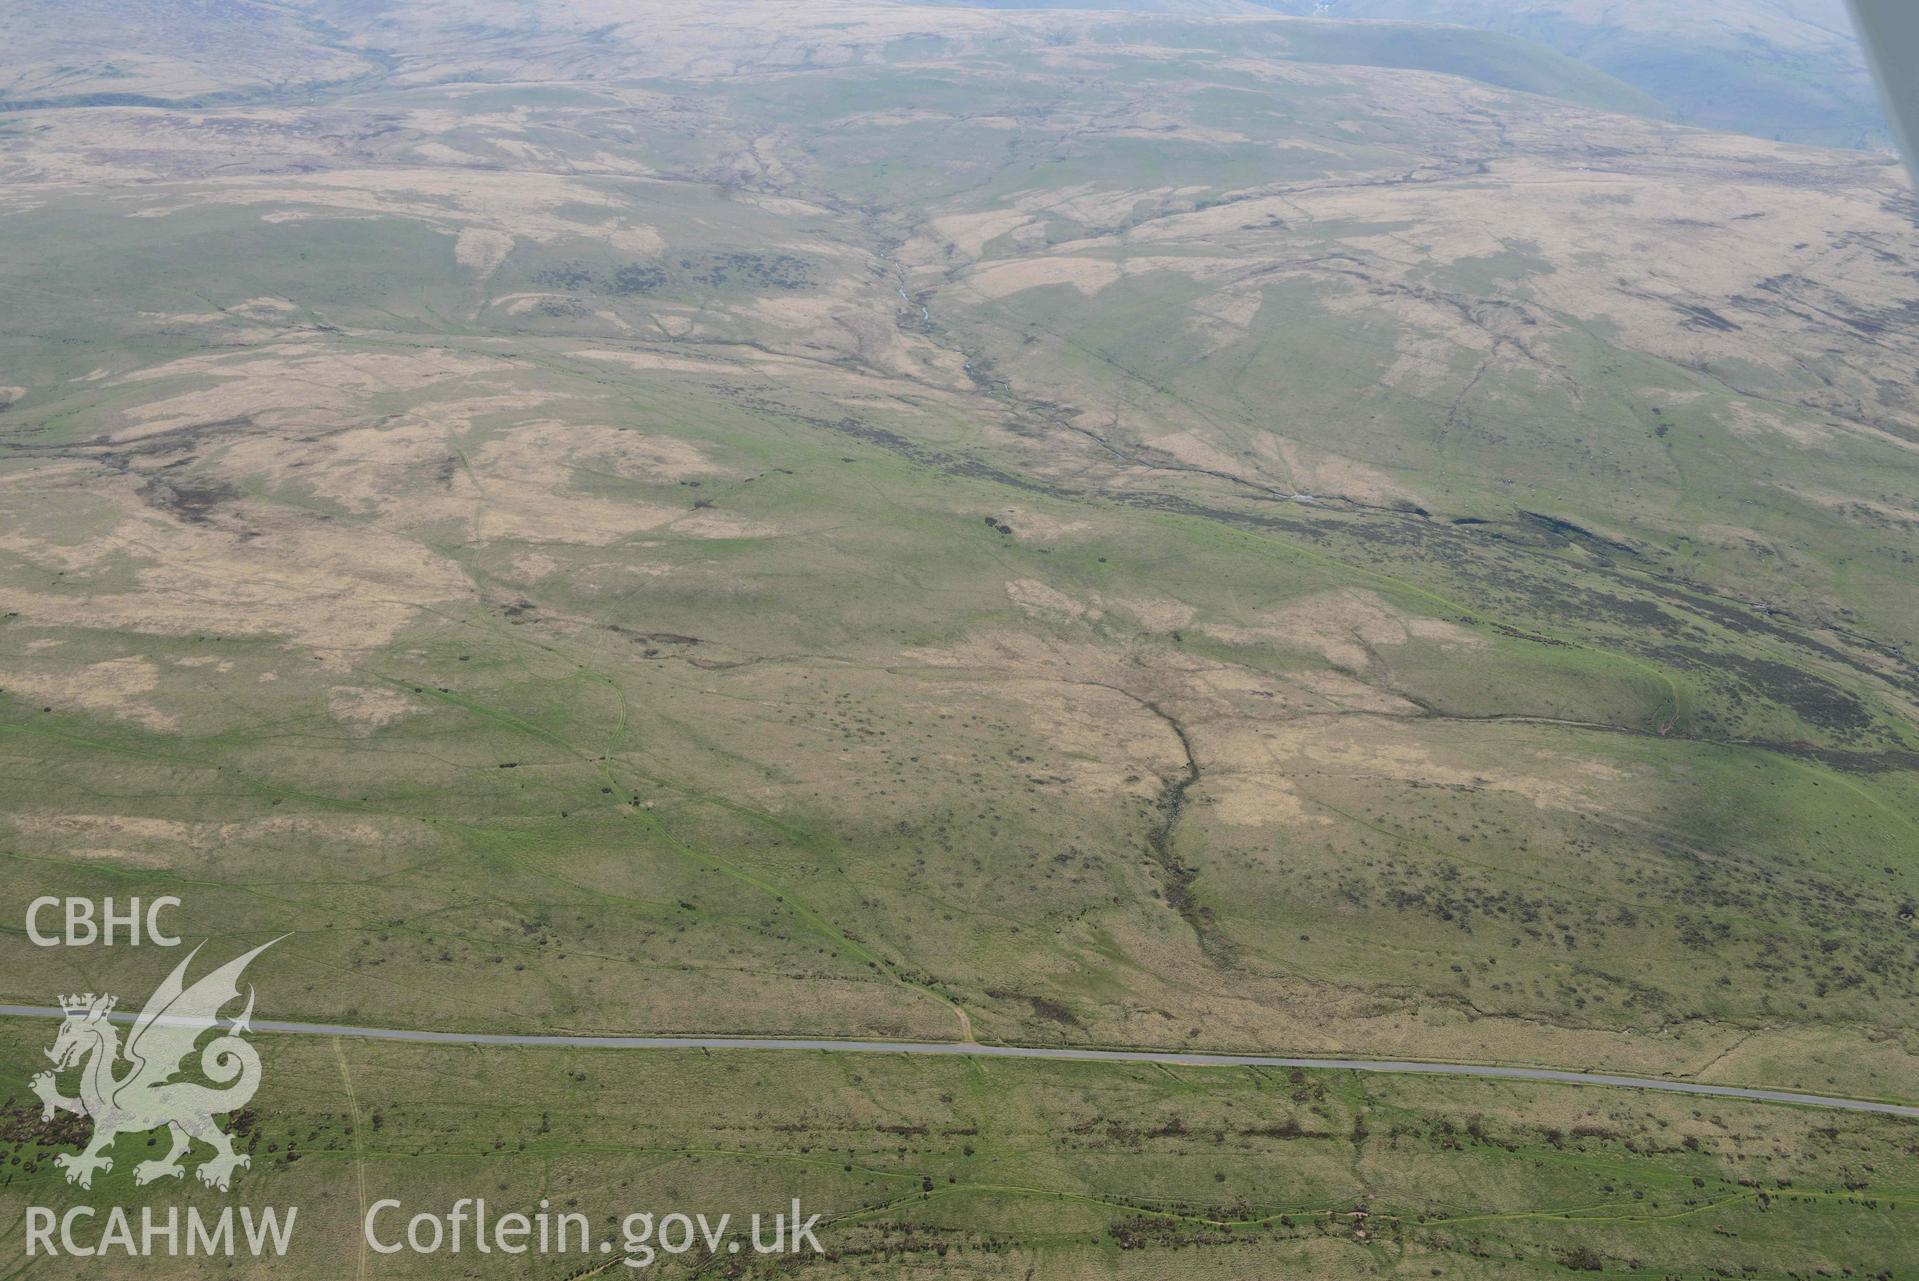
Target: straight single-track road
1555	1076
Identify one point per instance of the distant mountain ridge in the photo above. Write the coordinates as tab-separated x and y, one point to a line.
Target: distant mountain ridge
1790	70
1786	69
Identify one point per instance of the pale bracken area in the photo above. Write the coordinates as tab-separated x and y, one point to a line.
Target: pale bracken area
1210	532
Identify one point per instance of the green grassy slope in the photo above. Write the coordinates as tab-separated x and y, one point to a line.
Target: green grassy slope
931	1169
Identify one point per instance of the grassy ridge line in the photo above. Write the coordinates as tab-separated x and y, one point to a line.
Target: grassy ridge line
1489	57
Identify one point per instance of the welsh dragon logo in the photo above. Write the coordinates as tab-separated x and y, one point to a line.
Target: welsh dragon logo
129	1089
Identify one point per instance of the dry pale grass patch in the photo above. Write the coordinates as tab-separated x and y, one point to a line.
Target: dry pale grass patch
1345	627
112	688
